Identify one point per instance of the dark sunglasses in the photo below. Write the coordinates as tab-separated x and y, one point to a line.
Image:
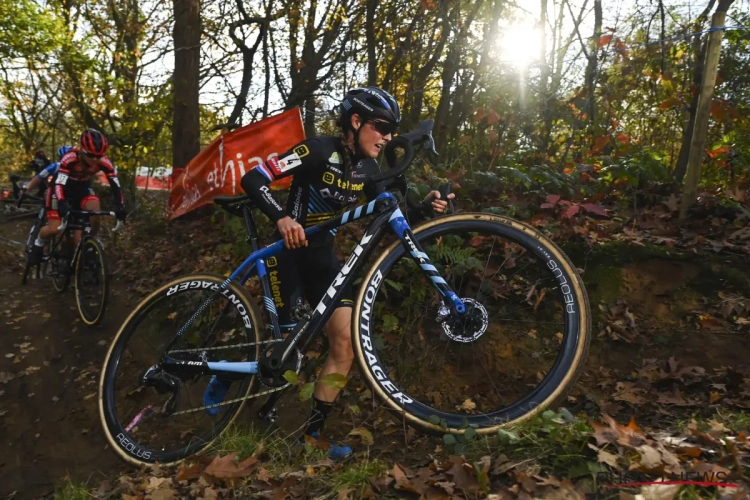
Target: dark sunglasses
384	128
90	155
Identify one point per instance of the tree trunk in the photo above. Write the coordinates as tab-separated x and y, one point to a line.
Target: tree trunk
593	64
450	67
187	37
699	52
544	99
372	62
702	114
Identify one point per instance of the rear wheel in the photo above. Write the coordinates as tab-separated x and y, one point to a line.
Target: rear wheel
57	265
33	233
518	349
144	425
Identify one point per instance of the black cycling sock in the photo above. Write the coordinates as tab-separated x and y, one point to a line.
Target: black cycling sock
318	415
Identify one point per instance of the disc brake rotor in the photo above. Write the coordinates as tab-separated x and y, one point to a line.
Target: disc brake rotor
467	327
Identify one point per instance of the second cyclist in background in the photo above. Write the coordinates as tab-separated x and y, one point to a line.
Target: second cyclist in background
40	180
72	187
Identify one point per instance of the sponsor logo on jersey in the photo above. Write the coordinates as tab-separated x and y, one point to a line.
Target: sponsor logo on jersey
335	158
328	177
271	262
301	150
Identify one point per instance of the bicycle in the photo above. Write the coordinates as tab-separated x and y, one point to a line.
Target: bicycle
12	199
430	282
37	226
90	272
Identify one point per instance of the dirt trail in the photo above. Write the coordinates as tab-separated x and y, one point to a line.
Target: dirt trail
49	367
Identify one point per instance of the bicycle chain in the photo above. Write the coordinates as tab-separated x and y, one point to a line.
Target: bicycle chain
231	401
247	344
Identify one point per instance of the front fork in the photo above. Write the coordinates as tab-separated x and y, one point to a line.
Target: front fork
451	301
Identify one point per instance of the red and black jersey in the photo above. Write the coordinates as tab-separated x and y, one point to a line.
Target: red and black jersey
73	170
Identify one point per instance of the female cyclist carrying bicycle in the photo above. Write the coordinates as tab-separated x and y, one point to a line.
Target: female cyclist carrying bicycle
329	175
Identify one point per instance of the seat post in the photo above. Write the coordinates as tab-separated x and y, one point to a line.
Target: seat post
252	233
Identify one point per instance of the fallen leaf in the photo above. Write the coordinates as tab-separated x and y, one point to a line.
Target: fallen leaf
186	472
710	323
467	405
464	480
364	433
650	457
163	494
672	203
225	467
605	457
630	435
402	482
343	493
660	491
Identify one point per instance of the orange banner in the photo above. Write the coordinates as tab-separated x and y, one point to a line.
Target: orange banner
218	168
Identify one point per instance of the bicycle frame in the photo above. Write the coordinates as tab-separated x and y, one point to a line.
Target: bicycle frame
387	212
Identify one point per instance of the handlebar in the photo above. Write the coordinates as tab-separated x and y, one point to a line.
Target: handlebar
65	221
407	142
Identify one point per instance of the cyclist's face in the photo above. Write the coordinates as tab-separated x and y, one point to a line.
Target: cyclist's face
371	140
87	159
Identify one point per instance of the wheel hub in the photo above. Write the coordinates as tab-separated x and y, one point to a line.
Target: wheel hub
469	326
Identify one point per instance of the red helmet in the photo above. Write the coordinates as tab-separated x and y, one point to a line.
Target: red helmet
93	142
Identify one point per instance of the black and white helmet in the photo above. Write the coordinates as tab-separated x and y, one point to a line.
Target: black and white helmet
370	102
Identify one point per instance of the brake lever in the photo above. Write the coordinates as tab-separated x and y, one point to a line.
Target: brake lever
430	146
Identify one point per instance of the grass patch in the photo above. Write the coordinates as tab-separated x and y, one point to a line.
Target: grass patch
355	476
70	490
269	446
735	421
277	451
557	441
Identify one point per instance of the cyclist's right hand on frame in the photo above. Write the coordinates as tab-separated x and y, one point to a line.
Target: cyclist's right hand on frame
292	232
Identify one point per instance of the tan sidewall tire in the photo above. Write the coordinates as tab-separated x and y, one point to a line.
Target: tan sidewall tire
581	348
247	302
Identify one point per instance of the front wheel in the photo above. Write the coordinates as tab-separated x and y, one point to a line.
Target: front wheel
517	350
150	414
91	281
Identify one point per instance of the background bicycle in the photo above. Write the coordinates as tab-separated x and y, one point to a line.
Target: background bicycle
10	208
85	262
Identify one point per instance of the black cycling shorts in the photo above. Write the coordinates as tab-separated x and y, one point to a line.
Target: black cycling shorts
305	272
76	194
